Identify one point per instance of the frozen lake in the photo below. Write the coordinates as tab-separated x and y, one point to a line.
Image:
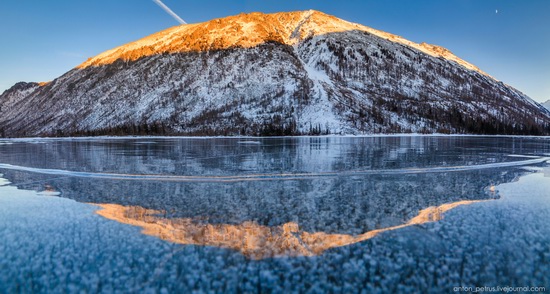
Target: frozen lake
309	214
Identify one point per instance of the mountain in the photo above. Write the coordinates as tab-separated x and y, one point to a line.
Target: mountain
271	74
546	104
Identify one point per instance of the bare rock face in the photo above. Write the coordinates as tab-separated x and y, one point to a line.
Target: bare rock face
271	74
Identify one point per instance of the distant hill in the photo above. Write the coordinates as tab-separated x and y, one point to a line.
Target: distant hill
271	74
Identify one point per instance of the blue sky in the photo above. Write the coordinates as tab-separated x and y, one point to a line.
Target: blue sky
41	40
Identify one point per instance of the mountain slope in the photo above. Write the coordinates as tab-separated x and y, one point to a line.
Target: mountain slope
271	74
546	104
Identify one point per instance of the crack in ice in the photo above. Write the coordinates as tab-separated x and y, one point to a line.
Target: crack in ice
268	177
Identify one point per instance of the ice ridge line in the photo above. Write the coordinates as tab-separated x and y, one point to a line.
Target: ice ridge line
267	177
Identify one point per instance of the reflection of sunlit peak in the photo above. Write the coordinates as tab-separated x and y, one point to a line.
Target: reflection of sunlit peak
49	191
251	239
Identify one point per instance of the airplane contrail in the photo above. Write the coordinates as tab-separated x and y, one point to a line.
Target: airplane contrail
169	11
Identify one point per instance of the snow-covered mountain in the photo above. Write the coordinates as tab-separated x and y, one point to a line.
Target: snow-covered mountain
546	104
271	74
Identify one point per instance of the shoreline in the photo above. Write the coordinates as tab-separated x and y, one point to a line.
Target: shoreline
23	139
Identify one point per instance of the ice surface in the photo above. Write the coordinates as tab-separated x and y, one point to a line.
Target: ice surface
59	244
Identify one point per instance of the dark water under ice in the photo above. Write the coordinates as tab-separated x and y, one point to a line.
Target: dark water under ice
309	214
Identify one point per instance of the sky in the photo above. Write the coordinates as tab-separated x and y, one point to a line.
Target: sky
508	39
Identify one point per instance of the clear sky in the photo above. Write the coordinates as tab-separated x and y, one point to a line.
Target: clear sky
509	39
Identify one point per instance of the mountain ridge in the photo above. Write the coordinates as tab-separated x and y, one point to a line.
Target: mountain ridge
271	74
284	27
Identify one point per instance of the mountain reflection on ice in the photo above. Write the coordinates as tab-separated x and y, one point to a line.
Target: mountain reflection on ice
345	203
342	205
252	240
